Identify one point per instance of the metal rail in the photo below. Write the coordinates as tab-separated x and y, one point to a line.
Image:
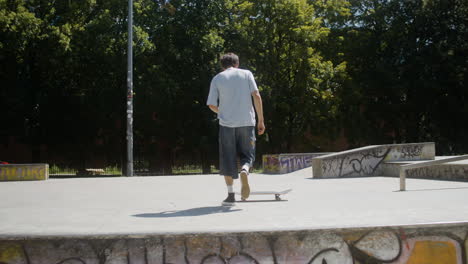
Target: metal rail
404	168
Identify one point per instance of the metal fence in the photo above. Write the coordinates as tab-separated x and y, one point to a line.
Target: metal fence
145	163
66	170
142	167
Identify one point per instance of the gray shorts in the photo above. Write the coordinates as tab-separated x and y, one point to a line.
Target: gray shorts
235	142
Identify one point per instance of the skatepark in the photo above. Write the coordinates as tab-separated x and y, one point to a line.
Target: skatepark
179	219
118	115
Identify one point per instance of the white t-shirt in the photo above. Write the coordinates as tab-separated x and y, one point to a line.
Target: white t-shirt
233	88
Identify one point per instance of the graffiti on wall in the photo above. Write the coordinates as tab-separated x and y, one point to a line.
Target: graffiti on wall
286	163
23	172
366	161
444	171
294	163
271	164
448	246
411	151
357	164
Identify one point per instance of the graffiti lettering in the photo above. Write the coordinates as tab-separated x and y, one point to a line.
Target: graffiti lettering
23	172
411	151
286	163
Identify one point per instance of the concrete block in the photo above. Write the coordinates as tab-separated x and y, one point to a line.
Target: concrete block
24	172
286	163
367	161
438	243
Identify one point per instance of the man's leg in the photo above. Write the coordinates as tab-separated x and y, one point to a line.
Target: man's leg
227	160
229	181
245	138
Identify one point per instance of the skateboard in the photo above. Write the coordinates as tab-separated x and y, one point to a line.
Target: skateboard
276	194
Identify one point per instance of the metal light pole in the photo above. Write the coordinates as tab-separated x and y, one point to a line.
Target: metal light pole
130	91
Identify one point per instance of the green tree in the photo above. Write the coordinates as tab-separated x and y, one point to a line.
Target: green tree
408	80
64	67
172	82
279	41
29	64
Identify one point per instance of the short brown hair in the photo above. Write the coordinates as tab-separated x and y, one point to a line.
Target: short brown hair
229	60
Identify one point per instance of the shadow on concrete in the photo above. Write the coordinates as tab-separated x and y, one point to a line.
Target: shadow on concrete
190	212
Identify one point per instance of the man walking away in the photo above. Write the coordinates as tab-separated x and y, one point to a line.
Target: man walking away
230	96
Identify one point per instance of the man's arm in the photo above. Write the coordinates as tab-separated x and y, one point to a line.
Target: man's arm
213	108
259	108
213	97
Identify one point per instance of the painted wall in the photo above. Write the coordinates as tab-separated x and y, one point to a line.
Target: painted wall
367	161
286	163
24	172
435	245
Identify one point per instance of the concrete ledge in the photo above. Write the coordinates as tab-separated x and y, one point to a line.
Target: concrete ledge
286	163
457	170
422	167
24	172
366	161
442	172
436	243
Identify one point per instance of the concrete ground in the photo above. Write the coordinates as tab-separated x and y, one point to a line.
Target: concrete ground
140	206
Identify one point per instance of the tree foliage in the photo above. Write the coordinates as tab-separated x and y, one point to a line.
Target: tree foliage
279	41
407	61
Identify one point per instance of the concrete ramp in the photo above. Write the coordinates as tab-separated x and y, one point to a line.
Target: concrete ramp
367	161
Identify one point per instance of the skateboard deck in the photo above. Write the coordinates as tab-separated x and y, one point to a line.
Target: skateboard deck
275	193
